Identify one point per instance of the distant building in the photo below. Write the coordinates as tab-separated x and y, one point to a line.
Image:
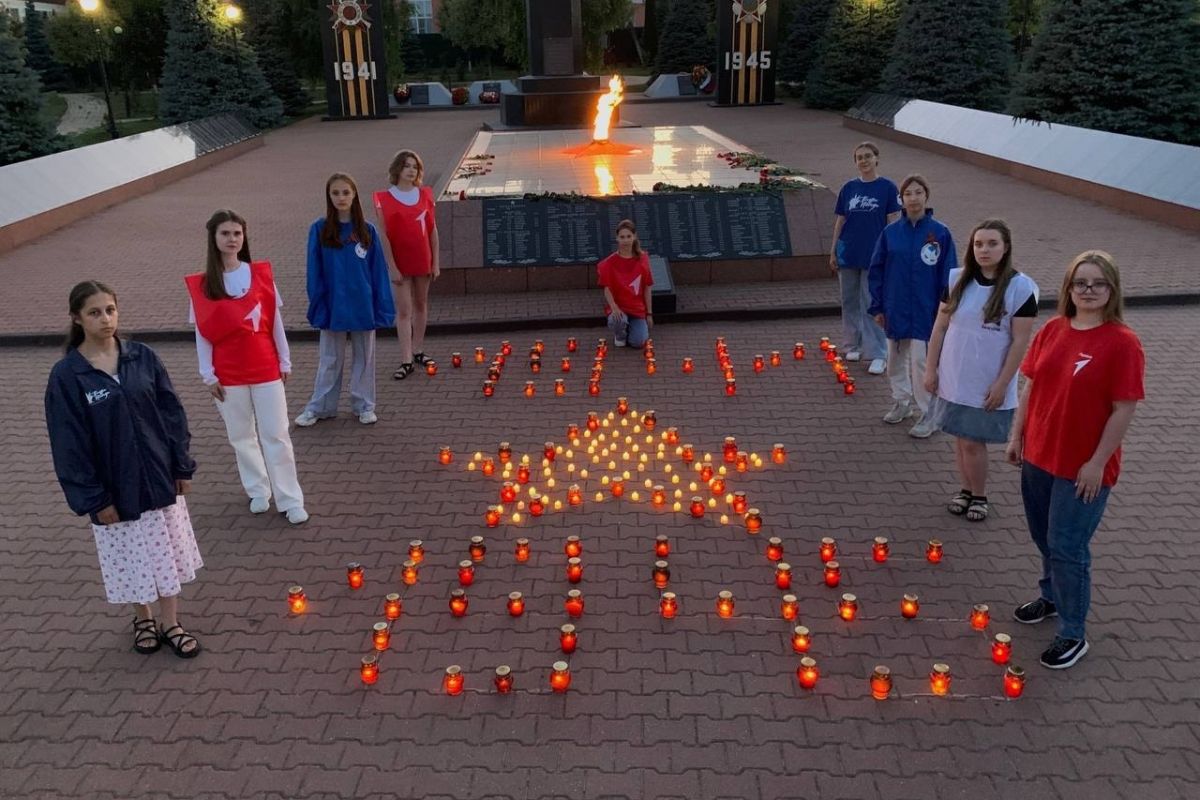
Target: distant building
16	8
425	15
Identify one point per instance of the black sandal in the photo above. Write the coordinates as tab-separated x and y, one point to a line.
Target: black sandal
421	358
959	504
178	641
404	371
145	636
978	510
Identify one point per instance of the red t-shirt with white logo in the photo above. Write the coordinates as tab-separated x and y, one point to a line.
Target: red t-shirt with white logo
1077	376
627	279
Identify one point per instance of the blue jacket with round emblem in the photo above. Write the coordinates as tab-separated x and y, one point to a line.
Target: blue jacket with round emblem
909	274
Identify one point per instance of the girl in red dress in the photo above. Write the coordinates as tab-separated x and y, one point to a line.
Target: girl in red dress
408	223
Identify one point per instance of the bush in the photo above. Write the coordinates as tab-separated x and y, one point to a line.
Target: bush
853	52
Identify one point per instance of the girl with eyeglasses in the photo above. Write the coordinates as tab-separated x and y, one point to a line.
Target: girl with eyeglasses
1084	377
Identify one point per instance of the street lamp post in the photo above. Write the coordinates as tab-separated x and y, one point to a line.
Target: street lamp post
91	7
233	16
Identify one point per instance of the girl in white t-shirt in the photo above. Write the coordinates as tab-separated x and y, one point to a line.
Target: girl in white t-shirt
982	330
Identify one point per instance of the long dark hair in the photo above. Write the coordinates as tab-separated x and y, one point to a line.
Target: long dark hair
360	233
80	294
627	225
993	311
214	269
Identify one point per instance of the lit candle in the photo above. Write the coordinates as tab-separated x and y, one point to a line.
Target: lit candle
730	387
479	355
706	471
445	456
688	366
369	669
574	494
939	679
742	462
523	474
458	603
392	606
807	673
933	551
539	346
504	452
774	549
431	368
617	487
848	607
572	344
381	635
573	432
506	347
297	600
1001	648
668	605
881	683
697	507
594	389
456	360
783	575
453	680
508	492
622	405
1014	682
662	545
753	520
658	496
568	639
560	388
717	486
729	449
516	604
789	607
574	603
798	351
650	420
651	366
354	575
560	677
661	574
759	363
980	616
739	504
687	454
839	366
493	373
648	347
725	604
801	639
833	574
831	353
537	506
466	573
776	359
409	573
477	549
909	606
671	436
828	549
778	453
824	343
503	679
573	546
879	550
416	551
492	516
848	385
574	569
529	389
593	421
487	467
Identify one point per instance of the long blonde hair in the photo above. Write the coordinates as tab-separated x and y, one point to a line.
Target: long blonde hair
1114	309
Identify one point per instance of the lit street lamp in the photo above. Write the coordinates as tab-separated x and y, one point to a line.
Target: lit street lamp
233	15
92	7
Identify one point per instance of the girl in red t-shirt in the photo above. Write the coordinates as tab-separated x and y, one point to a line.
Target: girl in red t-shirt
626	280
408	223
1084	375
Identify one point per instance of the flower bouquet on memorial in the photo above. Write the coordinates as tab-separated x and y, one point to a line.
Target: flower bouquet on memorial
459	95
401	93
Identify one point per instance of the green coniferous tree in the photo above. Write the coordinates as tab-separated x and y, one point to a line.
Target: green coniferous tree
853	52
264	33
37	51
952	51
686	38
207	71
1127	66
23	133
809	18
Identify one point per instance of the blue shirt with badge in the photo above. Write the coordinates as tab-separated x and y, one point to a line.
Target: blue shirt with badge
348	286
865	206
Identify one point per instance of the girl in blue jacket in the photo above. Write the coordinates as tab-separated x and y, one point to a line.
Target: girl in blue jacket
119	438
909	274
348	296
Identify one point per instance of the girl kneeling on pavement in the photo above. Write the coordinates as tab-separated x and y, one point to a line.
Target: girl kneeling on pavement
349	295
626	279
980	336
119	438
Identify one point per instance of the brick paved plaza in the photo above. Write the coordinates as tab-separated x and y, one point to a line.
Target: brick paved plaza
695	707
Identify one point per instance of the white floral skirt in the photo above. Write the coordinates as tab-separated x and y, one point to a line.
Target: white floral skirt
150	557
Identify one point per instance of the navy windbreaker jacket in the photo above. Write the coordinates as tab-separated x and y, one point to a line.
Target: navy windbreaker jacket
122	443
910	272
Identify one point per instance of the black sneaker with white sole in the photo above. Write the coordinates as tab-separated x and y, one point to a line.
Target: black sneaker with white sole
1063	653
1034	611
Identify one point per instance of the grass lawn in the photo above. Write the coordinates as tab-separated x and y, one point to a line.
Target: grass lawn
54	105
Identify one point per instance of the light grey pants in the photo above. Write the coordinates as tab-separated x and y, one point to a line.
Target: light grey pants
328	389
859	331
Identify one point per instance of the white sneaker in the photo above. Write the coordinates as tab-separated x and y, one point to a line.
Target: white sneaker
368	418
297	516
619	342
900	412
924	428
260	505
854	355
306	419
878	367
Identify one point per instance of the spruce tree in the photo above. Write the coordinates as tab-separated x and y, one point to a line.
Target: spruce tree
207	72
263	32
1127	66
809	18
23	133
686	39
853	52
952	51
37	51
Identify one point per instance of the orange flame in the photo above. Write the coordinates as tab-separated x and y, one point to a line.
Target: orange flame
605	107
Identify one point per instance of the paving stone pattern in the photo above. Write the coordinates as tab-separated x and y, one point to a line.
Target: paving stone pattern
697	707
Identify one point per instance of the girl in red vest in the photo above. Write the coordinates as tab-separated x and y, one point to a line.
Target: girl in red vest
408	223
626	280
244	360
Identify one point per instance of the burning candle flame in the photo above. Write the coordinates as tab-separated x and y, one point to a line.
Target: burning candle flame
605	107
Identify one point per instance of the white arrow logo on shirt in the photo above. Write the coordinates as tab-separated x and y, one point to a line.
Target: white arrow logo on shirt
1081	363
421	219
255	316
636	286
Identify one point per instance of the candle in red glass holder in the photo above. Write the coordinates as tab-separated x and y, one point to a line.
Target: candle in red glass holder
539	346
456	360
601	346
487	467
824	343
688	366
696	509
839	366
687	454
828	549
801	639
783	575
776	359
789	607
479	355
778	454
848	385
506	347
466	573
848	607
593	389
504	452
568	639
381	635
593	421
939	679
535	366
1001	648
476	548
833	574
560	388
574	495
548	451
759	363
843	376
560	677
661	574
508	492
416	551
617	487
909	606
516	604
444	455
354	575
574	603
503	679
537	506
458	603
980	616
650	420
730	387
574	570
831	353
717	486
392	606
741	461
662	545
798	351
493	373
523	474
651	366
492	516
530	389
572	344
729	450
368	670
881	683
573	546
668	605
622	405
774	549
297	600
739	504
522	550
572	431
725	604
409	573
706	472
933	551
807	673
753	520
1014	682
453	680
431	368
880	549
648	348
658	496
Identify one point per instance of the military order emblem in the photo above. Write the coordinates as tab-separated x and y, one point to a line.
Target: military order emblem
746	61
356	75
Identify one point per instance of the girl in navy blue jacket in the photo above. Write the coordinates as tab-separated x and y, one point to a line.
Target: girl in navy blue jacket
909	275
348	295
119	438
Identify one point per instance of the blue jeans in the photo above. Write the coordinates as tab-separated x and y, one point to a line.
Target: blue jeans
859	331
633	330
1062	525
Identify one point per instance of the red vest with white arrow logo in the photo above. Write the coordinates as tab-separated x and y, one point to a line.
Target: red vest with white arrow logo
240	328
